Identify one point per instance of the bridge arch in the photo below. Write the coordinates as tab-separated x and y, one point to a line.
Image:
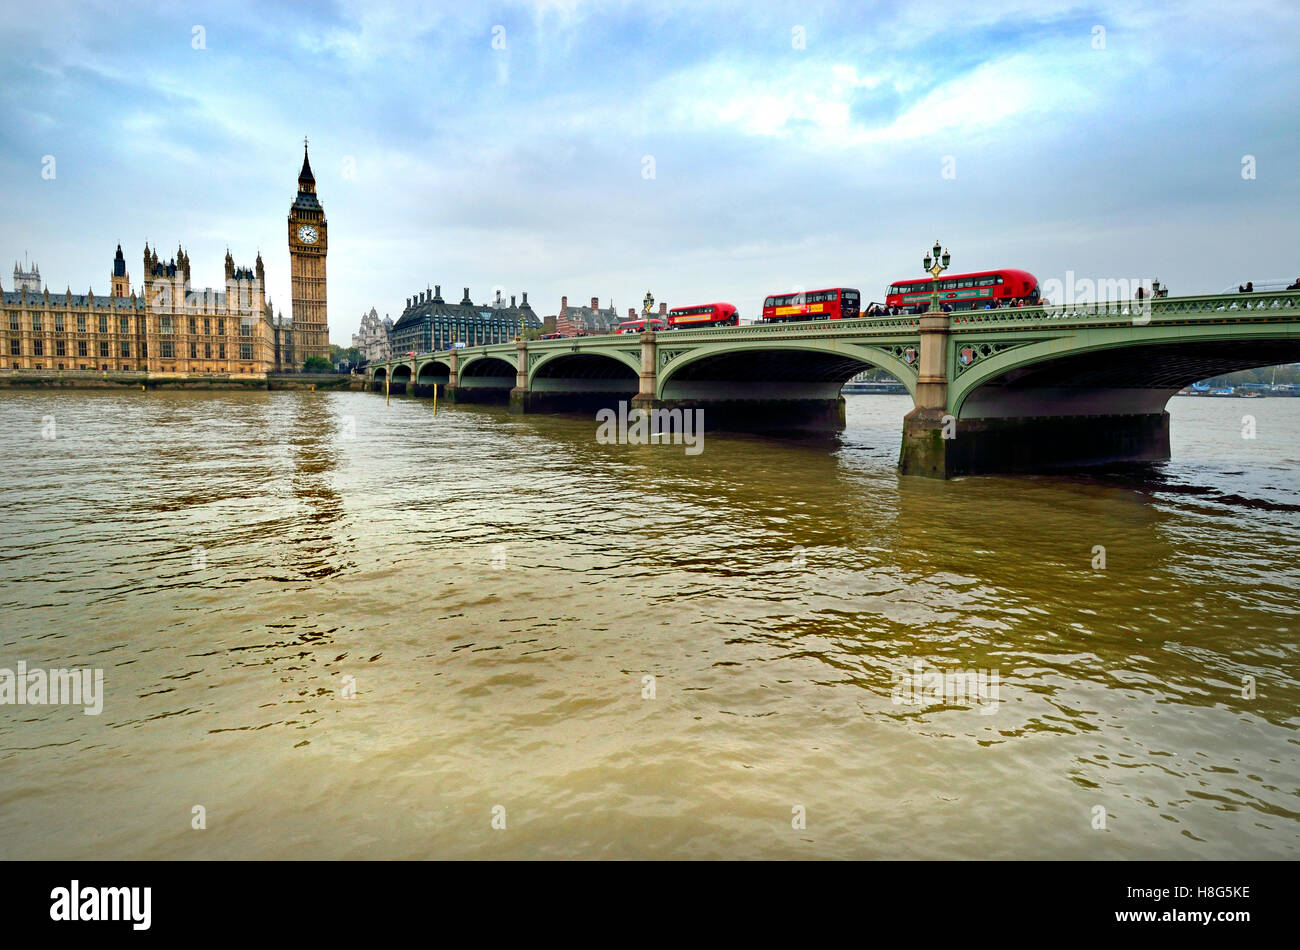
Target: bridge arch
1126	370
772	370
433	371
493	376
586	371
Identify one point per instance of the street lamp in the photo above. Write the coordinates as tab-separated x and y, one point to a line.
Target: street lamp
935	264
648	304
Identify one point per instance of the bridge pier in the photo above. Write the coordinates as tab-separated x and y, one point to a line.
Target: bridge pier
939	446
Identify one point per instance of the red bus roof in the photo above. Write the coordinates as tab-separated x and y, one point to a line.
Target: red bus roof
1003	271
693	306
791	293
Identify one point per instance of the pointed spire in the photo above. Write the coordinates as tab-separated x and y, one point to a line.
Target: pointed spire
305	177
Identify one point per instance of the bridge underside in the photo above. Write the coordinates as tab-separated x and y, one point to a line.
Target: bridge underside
759	389
576	382
486	380
1091	408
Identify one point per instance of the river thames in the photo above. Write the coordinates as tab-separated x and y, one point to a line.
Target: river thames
345	629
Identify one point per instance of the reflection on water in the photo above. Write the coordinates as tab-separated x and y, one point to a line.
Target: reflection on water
496	589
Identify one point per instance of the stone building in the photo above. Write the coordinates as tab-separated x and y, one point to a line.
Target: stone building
374	339
430	323
309	333
167	327
572	321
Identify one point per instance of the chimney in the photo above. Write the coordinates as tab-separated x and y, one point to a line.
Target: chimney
564	304
408	303
465	299
512	301
663	309
595	303
631	313
525	303
437	291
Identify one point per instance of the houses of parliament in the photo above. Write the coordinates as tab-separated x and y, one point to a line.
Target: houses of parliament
164	326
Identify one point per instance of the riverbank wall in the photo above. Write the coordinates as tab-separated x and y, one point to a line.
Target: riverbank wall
79	379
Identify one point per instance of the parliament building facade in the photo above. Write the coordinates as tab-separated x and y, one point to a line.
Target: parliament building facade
166	327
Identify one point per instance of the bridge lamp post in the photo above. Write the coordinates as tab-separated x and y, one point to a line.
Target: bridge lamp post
935	265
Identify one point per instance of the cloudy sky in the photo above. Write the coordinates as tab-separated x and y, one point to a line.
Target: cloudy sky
702	151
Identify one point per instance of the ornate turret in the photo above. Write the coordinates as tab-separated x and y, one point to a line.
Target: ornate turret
121	280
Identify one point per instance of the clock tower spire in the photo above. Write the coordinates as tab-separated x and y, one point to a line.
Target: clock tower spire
307	248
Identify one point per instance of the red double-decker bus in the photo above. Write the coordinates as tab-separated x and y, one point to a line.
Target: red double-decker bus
967	291
837	303
637	325
703	315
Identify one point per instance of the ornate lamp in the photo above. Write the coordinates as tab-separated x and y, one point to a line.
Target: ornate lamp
935	264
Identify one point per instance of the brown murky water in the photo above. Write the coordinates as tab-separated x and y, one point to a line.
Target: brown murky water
496	589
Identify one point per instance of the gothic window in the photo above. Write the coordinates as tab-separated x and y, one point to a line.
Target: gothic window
103	325
81	323
103	348
81	348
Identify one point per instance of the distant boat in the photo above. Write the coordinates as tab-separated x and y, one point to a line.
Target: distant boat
874	387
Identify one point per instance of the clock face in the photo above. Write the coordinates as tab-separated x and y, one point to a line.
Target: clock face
307	234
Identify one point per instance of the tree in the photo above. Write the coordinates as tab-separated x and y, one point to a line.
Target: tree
318	364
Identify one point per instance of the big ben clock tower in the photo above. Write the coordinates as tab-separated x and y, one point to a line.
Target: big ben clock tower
307	246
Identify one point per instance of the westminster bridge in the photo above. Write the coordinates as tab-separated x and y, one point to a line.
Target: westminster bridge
993	390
